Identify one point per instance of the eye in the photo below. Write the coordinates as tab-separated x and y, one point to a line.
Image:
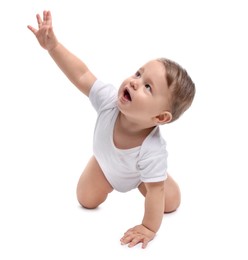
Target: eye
137	74
148	87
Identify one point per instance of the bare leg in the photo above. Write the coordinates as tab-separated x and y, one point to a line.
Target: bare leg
93	187
172	194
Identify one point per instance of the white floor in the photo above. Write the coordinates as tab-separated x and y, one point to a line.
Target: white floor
46	129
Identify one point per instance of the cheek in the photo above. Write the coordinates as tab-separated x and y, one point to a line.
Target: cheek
124	82
122	86
145	106
152	107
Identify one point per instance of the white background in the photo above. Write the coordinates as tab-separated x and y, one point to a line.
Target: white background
46	128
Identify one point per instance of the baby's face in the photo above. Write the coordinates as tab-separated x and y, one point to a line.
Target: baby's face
145	95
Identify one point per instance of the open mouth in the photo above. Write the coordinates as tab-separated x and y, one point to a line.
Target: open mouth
127	95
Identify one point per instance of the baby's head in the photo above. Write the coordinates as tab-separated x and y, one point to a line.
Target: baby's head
158	93
181	87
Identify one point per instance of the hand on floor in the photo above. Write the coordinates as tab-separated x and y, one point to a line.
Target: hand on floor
137	234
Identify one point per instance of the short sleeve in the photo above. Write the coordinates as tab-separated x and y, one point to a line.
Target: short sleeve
152	164
102	96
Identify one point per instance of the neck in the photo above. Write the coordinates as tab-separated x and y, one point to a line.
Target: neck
131	127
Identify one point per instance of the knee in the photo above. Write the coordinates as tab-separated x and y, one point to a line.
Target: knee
173	204
86	203
88	200
172	200
84	200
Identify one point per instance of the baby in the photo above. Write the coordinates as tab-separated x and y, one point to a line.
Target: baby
129	151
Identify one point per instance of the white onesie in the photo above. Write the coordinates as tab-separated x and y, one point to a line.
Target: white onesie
125	169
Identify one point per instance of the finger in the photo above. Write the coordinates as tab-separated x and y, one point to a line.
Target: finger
135	241
39	20
32	29
129	234
44	16
129	231
49	18
127	239
145	243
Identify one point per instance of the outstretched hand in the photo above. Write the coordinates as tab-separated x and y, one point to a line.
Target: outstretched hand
137	234
45	34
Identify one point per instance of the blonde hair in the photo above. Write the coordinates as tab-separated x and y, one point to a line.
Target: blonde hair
181	87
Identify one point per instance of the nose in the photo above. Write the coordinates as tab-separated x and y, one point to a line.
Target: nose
134	84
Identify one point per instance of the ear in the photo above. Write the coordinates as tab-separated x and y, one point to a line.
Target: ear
163	118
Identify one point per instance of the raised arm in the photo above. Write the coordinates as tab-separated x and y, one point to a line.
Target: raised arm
75	70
